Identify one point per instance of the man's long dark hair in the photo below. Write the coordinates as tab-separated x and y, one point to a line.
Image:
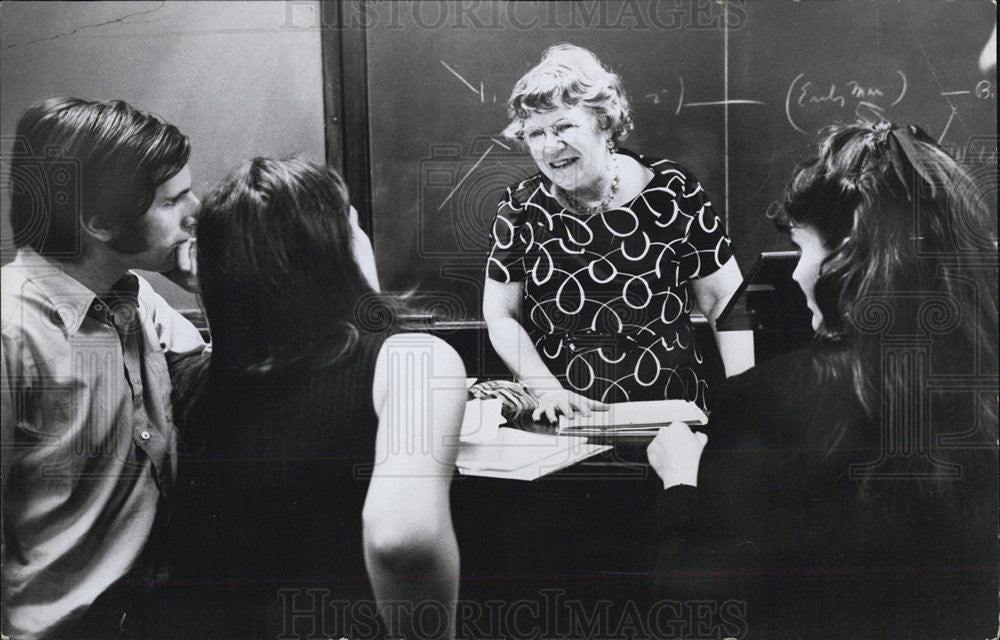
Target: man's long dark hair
913	256
279	280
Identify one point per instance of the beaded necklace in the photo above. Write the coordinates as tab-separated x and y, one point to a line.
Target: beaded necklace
601	206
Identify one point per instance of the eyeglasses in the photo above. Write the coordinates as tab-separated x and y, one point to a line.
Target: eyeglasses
535	138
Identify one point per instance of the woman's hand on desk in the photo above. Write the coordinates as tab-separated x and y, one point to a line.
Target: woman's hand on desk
553	402
675	453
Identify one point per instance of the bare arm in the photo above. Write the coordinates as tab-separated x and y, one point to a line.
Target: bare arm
364	255
713	293
501	309
410	546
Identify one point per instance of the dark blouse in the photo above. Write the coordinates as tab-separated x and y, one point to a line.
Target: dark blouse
267	529
606	296
802	546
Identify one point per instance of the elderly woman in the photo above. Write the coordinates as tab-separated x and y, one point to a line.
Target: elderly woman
594	258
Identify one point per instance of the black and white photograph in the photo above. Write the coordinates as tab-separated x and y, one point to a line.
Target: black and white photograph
497	319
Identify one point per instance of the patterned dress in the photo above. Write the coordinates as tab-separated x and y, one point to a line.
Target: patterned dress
607	301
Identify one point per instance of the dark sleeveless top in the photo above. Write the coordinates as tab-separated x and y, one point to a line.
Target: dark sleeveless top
273	473
782	531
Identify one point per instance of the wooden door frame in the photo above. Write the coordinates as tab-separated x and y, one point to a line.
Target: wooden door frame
344	47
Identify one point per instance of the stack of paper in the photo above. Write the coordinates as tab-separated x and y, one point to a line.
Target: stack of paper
486	449
482	420
633	418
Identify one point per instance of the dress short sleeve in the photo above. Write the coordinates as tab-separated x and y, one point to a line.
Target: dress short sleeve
510	241
705	247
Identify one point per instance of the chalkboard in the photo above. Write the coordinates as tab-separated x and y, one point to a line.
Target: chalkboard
735	91
238	82
816	63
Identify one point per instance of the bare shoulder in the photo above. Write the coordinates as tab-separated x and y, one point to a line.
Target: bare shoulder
438	354
416	359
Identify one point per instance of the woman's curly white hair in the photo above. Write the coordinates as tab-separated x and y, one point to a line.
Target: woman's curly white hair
568	75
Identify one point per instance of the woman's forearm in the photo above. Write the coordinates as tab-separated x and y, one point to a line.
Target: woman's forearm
735	347
713	293
515	348
736	350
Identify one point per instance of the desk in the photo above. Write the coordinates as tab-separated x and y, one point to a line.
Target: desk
580	536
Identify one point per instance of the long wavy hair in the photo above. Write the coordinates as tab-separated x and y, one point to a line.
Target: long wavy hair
913	257
279	281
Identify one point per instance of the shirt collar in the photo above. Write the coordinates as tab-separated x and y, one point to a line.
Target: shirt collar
120	305
71	301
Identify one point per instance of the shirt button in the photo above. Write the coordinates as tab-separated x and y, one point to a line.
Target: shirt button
144	435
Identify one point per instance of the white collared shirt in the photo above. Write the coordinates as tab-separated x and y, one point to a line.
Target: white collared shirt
88	436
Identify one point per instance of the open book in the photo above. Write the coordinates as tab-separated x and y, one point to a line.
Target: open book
487	449
633	418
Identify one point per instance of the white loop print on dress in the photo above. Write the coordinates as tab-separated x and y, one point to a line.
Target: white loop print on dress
611	265
506	274
701	218
606	220
609	360
546	259
673	216
642	254
670	299
646	352
648	296
616	384
511	233
569	222
560	291
579	360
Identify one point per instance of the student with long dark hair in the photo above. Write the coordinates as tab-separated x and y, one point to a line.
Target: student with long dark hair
850	489
315	446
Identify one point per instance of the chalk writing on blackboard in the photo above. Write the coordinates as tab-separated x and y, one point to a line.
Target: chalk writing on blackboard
466	175
947	125
865	99
479	92
659	97
460	186
482	98
984	90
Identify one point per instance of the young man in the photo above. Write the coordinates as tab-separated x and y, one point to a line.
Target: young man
97	189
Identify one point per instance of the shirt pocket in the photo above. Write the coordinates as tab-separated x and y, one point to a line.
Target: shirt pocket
54	434
51	410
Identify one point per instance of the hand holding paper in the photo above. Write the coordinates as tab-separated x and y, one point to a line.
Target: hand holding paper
675	454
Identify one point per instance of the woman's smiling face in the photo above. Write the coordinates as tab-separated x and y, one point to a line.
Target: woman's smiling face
569	147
